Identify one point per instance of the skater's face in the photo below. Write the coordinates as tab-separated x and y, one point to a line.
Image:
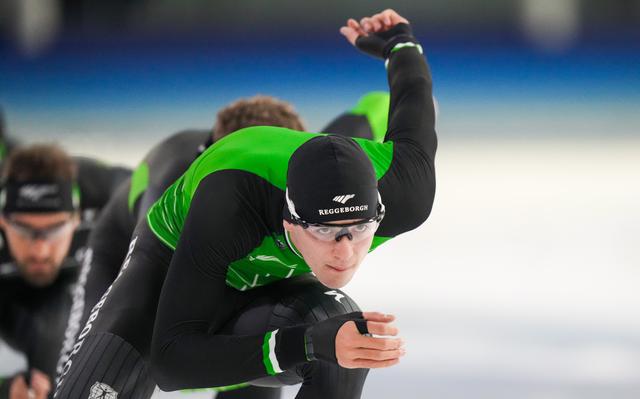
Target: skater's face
39	242
333	261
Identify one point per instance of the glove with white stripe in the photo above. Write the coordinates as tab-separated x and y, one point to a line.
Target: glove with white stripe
381	44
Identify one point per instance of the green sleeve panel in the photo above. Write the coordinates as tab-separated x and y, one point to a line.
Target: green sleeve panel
139	183
166	216
270	262
375	107
265	264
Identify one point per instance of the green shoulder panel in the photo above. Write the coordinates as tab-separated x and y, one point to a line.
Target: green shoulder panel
375	107
380	154
263	151
268	156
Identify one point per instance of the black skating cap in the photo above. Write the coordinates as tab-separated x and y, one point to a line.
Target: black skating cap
330	178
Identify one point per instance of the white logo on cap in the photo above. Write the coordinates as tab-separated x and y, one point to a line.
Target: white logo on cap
343	198
34	193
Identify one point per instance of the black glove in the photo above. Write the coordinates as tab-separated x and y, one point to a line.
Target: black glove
380	44
320	338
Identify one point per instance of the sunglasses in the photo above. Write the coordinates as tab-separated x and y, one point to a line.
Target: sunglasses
356	231
49	233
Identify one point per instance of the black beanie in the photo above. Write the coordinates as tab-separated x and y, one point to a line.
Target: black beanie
330	178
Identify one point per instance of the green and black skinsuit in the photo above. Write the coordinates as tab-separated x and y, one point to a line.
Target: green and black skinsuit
165	163
212	256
